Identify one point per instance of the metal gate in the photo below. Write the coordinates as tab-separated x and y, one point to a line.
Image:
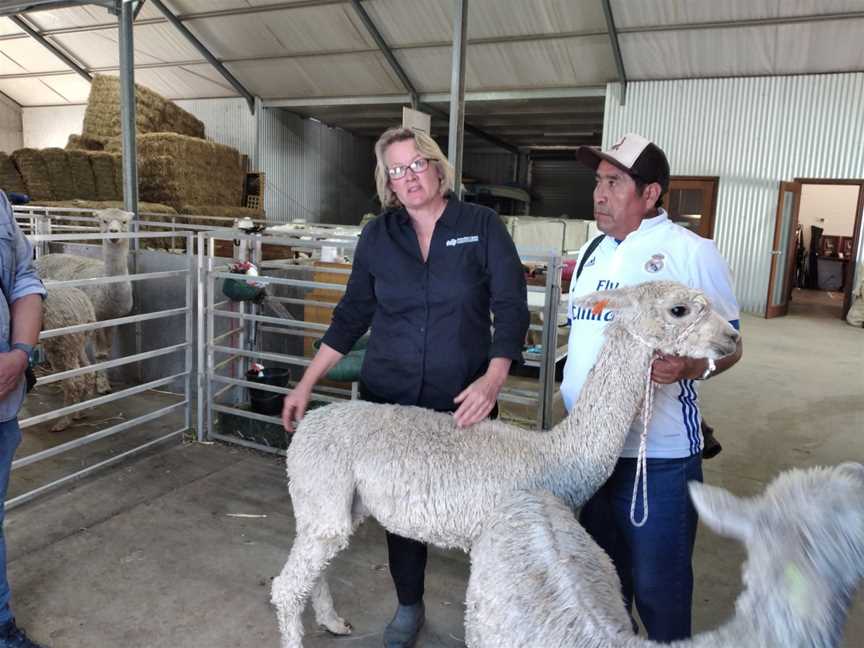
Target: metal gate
132	434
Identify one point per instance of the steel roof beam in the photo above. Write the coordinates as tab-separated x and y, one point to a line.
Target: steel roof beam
616	49
76	66
386	51
197	44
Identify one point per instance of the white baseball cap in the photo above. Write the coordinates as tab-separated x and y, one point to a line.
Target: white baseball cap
635	154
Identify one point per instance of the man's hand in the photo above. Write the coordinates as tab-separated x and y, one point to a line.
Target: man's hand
12	366
670	369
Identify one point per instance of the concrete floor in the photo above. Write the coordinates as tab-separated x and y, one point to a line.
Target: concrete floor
156	552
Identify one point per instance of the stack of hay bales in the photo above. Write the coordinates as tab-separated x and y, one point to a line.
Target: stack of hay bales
153	113
10	178
82	174
178	170
59	173
33	170
103	164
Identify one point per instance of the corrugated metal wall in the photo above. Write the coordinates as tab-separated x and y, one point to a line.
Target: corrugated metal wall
752	133
313	172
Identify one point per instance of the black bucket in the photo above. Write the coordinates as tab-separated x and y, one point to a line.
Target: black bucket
267	402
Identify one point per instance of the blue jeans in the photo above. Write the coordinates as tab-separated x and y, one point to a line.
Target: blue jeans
10	437
654	562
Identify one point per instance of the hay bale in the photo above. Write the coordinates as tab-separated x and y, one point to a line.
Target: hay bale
178	170
59	173
10	179
32	167
82	174
103	175
153	113
79	142
118	176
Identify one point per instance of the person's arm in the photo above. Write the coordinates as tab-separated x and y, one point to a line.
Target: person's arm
25	310
509	306
351	319
710	274
295	404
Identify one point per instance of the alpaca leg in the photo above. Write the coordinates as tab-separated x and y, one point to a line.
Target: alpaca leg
71	396
89	386
102	339
325	611
306	562
322	601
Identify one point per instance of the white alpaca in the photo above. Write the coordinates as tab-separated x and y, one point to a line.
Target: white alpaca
538	579
68	306
109	300
422	477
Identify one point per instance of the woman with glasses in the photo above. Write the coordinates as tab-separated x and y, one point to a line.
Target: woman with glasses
426	275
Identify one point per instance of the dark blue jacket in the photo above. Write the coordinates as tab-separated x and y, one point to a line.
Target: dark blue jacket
431	321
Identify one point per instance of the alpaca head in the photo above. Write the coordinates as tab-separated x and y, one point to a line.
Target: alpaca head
114	221
667	316
805	549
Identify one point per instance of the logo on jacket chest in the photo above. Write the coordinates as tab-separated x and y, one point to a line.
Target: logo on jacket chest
655	263
462	240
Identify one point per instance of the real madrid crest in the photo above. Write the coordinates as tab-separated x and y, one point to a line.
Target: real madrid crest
655	263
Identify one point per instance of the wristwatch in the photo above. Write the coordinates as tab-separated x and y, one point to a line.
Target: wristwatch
710	369
26	348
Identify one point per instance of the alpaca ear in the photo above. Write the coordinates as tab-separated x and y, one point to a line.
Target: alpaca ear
612	299
724	513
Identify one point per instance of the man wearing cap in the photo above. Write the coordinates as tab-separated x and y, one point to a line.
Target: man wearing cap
641	243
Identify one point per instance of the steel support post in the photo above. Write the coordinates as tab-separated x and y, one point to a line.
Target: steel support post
457	93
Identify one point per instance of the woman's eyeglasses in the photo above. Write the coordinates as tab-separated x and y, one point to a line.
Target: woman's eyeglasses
417	166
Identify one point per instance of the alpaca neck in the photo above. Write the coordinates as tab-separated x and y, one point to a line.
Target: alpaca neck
115	257
588	442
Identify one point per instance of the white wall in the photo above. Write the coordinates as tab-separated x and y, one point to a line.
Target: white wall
752	133
10	125
48	126
831	207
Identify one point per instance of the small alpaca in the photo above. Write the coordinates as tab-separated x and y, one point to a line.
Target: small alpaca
109	300
422	477
538	579
67	306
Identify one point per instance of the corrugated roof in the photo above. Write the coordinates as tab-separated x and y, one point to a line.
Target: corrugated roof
311	52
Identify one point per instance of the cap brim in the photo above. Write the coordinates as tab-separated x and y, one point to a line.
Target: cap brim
591	157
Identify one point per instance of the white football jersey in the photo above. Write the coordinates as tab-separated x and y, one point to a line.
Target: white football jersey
659	250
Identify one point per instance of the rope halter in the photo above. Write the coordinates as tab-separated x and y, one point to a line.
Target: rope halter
648	411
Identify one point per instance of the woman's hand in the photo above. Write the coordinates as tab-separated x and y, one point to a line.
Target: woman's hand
294	407
477	399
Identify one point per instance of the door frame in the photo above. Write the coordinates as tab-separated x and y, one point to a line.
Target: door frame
782	309
715	183
849	276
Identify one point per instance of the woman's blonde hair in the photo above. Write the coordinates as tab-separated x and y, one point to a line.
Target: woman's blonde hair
426	146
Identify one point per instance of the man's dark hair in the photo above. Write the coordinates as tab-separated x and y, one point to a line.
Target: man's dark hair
640	189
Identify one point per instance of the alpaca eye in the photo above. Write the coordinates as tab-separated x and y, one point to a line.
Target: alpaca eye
679	311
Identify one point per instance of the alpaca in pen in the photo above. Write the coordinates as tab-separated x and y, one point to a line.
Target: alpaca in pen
538	578
68	306
424	478
110	300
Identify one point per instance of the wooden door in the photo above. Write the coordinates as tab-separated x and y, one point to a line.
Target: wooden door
782	251
691	202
